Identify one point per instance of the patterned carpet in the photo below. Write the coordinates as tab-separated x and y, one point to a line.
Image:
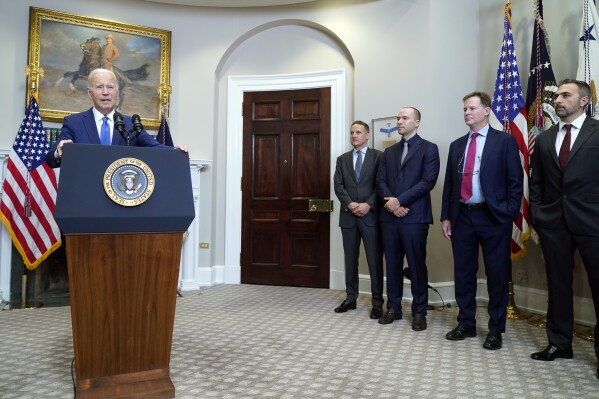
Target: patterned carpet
249	341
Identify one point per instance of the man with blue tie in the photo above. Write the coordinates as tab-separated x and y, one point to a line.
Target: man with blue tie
408	171
354	183
96	125
482	195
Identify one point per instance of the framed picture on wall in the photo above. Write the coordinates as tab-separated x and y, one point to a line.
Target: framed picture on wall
384	132
64	48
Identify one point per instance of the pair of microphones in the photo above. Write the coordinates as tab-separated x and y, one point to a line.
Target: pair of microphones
119	124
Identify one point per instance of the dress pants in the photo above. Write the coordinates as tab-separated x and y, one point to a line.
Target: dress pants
406	240
476	228
371	237
558	245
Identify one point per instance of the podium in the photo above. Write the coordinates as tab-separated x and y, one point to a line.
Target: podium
123	253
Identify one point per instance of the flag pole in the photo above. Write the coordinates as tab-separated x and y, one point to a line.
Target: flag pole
585	332
164	92
24	304
509	115
513	313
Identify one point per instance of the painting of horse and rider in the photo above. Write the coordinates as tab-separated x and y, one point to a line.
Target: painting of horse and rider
69	52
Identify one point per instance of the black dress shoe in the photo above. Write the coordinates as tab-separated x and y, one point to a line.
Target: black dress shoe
376	312
390	316
552	352
419	322
345	306
493	341
460	333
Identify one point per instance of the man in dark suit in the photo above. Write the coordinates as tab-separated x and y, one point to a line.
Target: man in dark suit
564	203
355	187
408	171
482	195
88	127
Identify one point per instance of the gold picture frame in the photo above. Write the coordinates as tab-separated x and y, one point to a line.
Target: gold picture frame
63	48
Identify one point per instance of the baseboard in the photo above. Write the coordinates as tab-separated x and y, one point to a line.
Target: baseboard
527	299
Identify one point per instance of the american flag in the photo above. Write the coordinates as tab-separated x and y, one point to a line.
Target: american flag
541	82
508	114
164	133
29	193
588	52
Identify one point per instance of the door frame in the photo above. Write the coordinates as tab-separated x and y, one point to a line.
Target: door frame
237	85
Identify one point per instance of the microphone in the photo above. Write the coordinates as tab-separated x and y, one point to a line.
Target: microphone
137	126
119	123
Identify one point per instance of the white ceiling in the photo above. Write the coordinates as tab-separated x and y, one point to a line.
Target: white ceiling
232	3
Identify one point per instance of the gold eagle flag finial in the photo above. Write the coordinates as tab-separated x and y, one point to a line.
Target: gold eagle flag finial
34	74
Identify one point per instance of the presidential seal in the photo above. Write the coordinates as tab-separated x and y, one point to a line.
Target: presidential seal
128	182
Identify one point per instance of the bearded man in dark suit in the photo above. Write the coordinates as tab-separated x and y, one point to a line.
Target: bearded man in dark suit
354	182
564	203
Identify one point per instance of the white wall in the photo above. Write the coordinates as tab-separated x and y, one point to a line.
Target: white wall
423	53
385	46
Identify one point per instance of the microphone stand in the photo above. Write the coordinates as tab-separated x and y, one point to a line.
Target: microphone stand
406	274
125	136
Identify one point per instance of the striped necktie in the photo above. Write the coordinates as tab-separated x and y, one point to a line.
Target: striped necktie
358	167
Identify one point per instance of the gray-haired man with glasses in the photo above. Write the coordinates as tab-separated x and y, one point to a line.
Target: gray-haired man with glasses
482	194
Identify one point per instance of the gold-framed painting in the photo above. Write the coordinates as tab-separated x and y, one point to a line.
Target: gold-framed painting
64	48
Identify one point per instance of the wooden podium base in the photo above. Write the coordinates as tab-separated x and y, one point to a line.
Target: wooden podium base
154	384
123	290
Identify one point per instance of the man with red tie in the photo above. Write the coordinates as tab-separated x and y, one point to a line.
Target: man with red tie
482	194
564	204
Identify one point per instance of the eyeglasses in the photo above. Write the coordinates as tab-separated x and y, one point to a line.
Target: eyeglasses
108	88
460	167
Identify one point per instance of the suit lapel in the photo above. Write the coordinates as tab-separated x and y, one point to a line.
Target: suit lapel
459	158
551	137
349	164
460	152
490	141
586	131
412	149
368	161
90	127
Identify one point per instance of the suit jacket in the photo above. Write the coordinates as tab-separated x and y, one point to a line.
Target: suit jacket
349	190
573	195
501	177
412	182
81	128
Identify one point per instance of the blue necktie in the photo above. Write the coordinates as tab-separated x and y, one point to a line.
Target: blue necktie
105	132
404	152
358	168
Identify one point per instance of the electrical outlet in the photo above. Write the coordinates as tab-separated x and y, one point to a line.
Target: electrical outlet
204	245
521	276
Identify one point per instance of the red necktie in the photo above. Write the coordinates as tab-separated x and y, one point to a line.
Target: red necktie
466	191
564	151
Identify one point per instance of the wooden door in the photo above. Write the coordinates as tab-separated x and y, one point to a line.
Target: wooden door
286	162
